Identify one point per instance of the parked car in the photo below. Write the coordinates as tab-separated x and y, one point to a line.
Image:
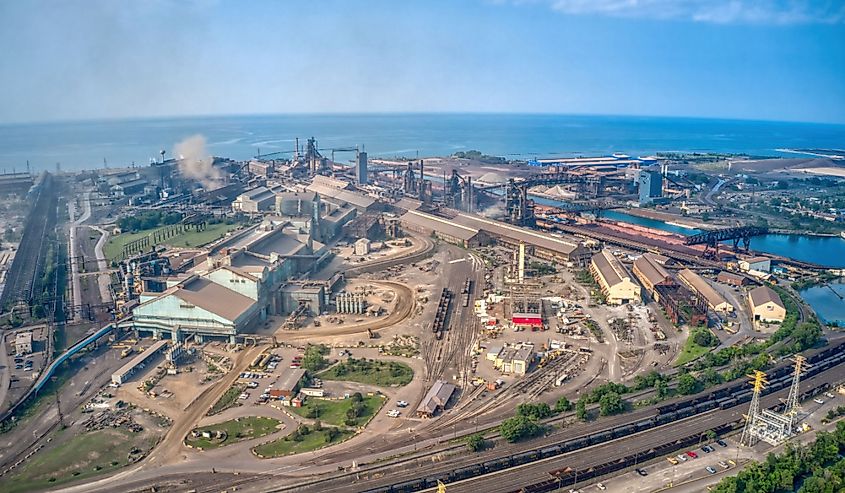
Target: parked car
682	457
692	455
723	464
707	449
402	404
672	460
641	472
710	470
829	395
601	486
818	401
721	442
394	413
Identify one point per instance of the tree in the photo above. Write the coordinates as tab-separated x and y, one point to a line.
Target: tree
539	410
357	397
611	403
563	405
687	384
475	442
581	409
517	428
662	389
314	360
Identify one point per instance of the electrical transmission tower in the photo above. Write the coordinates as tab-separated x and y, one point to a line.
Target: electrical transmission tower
749	437
792	407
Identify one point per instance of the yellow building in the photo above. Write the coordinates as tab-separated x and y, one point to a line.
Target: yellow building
613	279
766	305
650	272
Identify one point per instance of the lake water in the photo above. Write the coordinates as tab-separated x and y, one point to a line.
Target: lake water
827	303
84	145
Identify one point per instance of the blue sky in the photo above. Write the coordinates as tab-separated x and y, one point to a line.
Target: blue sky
764	59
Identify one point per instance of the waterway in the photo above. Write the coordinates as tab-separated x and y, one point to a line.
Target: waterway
827	301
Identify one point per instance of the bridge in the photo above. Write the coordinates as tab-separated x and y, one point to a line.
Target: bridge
712	239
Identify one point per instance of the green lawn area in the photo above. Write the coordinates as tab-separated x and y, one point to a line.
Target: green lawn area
228	399
114	247
690	351
333	412
79	457
312	441
237	430
384	373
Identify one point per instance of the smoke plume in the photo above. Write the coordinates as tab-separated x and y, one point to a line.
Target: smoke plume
496	211
196	163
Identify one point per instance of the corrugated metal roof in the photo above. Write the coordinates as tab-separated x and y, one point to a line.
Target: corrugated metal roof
439	224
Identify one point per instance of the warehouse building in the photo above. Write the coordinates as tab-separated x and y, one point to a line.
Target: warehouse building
731	279
514	360
756	264
766	305
650	271
436	399
290	382
698	284
613	279
144	358
470	230
259	199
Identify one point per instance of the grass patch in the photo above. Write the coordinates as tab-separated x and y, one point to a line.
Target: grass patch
227	400
312	441
80	457
334	412
383	373
113	248
236	430
690	351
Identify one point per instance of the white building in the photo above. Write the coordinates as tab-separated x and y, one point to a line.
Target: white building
362	246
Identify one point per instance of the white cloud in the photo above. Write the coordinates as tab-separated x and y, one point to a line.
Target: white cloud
772	12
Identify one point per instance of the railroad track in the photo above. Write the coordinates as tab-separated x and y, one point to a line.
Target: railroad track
722	401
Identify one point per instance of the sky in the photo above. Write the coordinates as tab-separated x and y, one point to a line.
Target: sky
745	59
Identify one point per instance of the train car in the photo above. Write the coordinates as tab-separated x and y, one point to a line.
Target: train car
497	464
465	473
525	457
550	451
409	486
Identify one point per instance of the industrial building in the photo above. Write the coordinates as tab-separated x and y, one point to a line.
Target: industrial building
361	169
122	375
650	186
256	200
698	284
197	306
614	280
650	272
436	399
758	264
362	246
340	196
469	230
514	360
766	305
23	342
731	279
290	382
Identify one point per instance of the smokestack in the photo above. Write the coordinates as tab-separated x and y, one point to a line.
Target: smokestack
521	266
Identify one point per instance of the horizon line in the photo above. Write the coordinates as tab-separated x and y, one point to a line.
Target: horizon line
61	121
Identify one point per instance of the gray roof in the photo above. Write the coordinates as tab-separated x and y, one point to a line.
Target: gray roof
276	242
437	397
764	294
289	379
440	225
340	195
610	268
